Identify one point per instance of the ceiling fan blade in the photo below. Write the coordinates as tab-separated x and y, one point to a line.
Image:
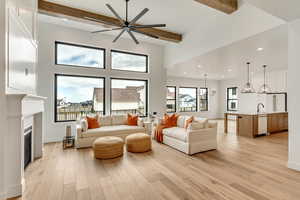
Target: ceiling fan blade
139	16
106	30
121	33
100	21
133	37
147	34
148	26
115	13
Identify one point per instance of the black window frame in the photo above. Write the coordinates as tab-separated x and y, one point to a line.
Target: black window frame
131	79
83	46
206	98
129	53
196	98
173	99
79	76
228	99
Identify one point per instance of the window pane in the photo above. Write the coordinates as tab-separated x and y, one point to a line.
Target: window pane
78	96
203	93
128	61
171	93
232	93
187	99
232	105
171	105
68	54
203	105
128	96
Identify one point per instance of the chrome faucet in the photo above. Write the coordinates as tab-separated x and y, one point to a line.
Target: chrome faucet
258	107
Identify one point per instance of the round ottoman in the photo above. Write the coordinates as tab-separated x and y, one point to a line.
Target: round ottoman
138	143
108	147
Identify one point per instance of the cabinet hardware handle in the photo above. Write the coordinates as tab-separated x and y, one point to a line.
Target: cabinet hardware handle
26	72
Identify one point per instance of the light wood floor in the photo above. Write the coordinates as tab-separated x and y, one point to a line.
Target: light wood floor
241	169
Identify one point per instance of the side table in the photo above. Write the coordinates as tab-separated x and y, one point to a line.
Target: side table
69	142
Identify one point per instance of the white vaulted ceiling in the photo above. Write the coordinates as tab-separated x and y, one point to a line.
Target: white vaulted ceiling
204	29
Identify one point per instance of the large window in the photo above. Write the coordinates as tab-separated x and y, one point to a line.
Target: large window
171	99
203	105
187	99
129	96
79	56
77	96
129	61
232	99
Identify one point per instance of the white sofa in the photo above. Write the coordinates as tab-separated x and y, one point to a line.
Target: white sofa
200	136
109	126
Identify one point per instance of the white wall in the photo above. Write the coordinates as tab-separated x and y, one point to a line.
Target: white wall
48	34
294	95
2	96
213	106
276	79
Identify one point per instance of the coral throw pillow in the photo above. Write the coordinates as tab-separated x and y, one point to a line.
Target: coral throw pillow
188	122
132	120
92	122
170	120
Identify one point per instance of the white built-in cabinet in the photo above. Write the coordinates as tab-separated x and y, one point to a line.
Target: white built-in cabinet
21	46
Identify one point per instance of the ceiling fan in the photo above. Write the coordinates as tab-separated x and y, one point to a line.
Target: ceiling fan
129	26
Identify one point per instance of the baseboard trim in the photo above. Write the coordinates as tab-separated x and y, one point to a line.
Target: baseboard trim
50	140
14	191
294	166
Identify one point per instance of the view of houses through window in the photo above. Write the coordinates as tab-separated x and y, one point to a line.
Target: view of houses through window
187	99
203	96
171	99
78	96
128	96
232	99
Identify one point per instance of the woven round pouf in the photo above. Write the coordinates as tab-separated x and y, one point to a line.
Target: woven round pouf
138	143
108	147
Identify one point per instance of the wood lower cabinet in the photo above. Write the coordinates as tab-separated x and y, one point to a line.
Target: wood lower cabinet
277	122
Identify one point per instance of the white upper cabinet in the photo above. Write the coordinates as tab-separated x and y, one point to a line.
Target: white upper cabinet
26	11
22	47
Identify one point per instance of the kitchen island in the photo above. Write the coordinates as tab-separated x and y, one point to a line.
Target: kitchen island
256	124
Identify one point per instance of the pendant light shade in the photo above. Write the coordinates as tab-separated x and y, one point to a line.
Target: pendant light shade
264	89
248	87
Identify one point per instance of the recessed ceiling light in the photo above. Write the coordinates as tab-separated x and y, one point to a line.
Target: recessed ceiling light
65	19
260	49
184	73
229	70
200	66
222	76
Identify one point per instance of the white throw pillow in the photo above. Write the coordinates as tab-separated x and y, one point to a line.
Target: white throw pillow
140	122
84	125
181	121
204	121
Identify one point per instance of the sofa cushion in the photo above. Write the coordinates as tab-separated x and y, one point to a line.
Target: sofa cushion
118	120
104	120
176	132
84	125
113	131
181	121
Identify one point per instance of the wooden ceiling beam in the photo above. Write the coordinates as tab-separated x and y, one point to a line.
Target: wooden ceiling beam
226	6
54	9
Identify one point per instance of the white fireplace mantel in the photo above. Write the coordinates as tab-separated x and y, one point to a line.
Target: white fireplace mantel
21	107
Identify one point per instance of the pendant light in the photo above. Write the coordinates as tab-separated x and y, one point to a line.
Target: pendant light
264	89
248	87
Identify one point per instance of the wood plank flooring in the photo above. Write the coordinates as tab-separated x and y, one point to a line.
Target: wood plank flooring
241	169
